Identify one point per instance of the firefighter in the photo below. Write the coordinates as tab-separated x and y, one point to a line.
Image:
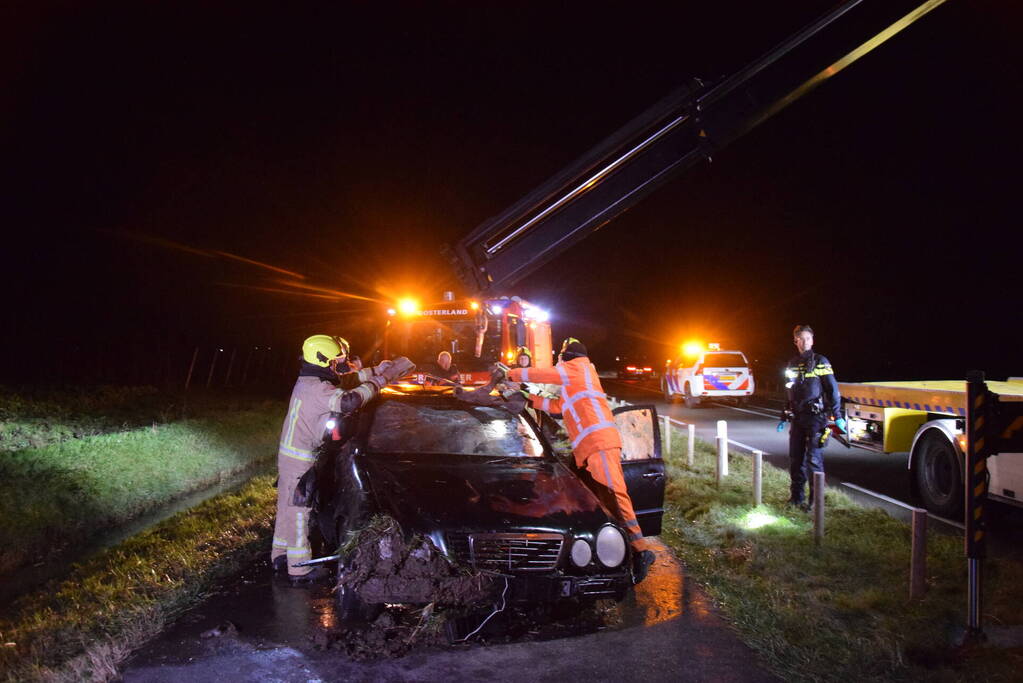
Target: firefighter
523	358
325	391
812	399
596	445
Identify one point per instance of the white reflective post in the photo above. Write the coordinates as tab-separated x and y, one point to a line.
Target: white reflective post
667	435
691	452
722	443
758	477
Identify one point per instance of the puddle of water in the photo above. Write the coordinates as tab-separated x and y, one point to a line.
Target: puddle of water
57	565
269	613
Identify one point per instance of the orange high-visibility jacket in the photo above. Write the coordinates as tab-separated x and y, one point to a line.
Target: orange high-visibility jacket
583	404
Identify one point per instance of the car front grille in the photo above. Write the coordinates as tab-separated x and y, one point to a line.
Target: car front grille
506	552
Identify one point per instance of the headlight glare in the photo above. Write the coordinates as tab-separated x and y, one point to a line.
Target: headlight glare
610	547
582	554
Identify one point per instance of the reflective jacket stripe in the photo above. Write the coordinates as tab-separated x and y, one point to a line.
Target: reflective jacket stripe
297	453
545	405
597	407
525	374
603	424
584	394
295	406
607	471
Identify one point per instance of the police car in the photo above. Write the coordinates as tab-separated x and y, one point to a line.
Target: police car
706	374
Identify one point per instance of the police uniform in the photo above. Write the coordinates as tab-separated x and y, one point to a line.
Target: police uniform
812	398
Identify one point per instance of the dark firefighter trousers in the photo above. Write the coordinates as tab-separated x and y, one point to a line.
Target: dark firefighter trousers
805	454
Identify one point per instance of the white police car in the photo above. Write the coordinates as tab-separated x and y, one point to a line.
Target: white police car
710	373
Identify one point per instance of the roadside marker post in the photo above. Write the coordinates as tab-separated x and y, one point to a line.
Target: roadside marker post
977	450
918	556
691	452
722	444
667	435
818	508
758	477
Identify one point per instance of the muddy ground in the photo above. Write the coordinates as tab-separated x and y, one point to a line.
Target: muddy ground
257	629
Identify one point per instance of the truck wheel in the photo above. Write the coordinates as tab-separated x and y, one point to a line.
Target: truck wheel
691	401
939	477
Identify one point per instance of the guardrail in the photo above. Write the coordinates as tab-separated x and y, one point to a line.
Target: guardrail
918	553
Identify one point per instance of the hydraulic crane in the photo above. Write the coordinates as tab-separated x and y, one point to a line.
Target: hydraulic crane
688	126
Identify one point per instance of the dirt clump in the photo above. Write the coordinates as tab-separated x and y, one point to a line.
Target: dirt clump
383	566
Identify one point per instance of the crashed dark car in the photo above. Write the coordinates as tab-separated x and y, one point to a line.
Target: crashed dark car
487	490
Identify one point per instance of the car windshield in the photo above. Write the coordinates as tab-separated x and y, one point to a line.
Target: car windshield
407	427
724	360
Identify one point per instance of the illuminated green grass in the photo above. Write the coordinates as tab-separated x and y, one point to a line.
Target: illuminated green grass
82	627
839	612
59	496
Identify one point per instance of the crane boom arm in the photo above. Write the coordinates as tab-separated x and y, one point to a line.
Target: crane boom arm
686	127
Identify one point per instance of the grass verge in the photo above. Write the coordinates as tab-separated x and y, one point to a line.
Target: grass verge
36	417
840	611
57	497
81	628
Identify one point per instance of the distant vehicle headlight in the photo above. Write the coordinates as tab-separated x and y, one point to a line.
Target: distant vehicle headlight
610	546
581	553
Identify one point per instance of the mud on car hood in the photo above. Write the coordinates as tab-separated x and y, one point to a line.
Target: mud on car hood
428	493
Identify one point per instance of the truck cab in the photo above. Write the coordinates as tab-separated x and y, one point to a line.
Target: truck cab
710	373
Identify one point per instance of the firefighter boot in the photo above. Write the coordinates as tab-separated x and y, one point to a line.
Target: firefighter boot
317	575
641	562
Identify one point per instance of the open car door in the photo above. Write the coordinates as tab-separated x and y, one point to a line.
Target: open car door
642	463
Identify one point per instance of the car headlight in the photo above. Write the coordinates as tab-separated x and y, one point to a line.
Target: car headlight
581	553
610	546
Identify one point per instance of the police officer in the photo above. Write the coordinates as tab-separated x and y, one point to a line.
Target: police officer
813	399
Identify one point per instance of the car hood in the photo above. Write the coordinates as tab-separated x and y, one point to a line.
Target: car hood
429	493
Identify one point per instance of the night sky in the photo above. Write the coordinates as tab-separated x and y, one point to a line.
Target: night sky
154	149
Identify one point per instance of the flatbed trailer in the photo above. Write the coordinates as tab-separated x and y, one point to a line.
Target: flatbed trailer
927	419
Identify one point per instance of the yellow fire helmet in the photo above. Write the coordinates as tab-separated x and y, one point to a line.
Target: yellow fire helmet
320	349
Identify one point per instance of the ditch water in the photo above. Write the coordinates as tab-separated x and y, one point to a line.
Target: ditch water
57	565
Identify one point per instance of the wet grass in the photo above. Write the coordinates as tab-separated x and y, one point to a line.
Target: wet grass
95	472
36	417
840	611
82	627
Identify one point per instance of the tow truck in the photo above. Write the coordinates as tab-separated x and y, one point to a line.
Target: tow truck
927	419
689	126
477	332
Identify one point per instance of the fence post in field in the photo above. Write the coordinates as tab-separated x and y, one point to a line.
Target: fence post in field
722	444
213	365
230	366
691	451
667	435
245	368
918	556
818	507
758	477
191	367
